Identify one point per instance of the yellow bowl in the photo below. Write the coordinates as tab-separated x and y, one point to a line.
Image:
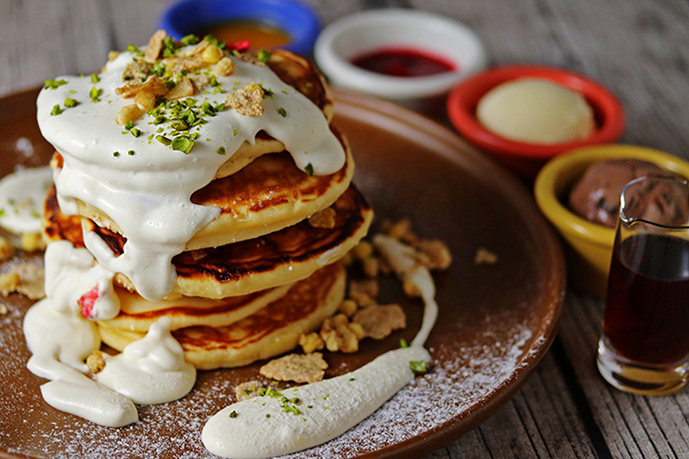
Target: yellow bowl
589	244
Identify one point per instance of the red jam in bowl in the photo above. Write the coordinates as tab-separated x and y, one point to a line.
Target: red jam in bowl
403	62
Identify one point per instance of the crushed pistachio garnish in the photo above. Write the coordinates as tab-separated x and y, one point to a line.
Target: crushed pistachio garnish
233	414
95	93
95	78
221	150
418	367
56	111
404	344
53	84
71	103
309	169
282	112
264	55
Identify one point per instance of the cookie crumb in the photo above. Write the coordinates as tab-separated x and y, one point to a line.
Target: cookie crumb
379	321
301	368
485	257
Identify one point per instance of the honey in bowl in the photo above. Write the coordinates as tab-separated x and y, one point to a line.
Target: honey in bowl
259	34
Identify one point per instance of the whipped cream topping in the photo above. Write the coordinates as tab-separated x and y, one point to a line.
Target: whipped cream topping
144	185
20	205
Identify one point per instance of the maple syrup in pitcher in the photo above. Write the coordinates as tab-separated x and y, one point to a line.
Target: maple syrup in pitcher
647	312
645	341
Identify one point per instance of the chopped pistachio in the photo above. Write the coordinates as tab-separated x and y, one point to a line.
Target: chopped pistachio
233	414
95	78
56	110
183	143
309	169
221	150
164	140
53	84
264	55
282	112
418	367
130	152
116	153
404	344
71	103
189	40
136	132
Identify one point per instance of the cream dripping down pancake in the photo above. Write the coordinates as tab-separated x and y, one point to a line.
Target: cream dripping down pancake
142	175
267	195
285	256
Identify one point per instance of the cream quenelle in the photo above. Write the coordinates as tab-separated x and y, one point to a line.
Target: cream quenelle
144	185
20	204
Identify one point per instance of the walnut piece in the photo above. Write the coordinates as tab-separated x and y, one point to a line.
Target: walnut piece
95	362
224	67
437	254
379	321
247	101
323	219
311	342
301	368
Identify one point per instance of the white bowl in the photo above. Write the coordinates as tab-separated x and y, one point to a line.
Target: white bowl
369	31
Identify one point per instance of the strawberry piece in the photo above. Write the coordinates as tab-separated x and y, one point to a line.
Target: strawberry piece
87	301
240	46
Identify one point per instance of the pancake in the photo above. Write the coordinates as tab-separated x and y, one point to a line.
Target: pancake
272	330
137	314
268	195
244	267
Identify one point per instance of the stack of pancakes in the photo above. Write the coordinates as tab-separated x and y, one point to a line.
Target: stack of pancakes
263	272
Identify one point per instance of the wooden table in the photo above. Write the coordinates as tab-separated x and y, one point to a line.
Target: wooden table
637	48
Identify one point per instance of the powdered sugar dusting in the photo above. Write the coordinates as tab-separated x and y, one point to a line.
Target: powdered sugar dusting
461	378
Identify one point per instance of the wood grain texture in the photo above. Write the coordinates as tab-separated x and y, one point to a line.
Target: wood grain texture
639	49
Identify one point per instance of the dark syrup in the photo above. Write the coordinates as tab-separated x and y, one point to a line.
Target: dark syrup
647	312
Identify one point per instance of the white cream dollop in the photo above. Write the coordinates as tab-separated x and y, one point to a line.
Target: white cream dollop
147	193
150	370
21	199
327	409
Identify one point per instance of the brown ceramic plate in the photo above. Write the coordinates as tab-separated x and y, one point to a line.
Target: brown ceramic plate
496	320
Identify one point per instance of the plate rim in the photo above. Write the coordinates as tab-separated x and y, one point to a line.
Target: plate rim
442	435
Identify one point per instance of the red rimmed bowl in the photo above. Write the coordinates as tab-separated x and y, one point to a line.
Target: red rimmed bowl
527	158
